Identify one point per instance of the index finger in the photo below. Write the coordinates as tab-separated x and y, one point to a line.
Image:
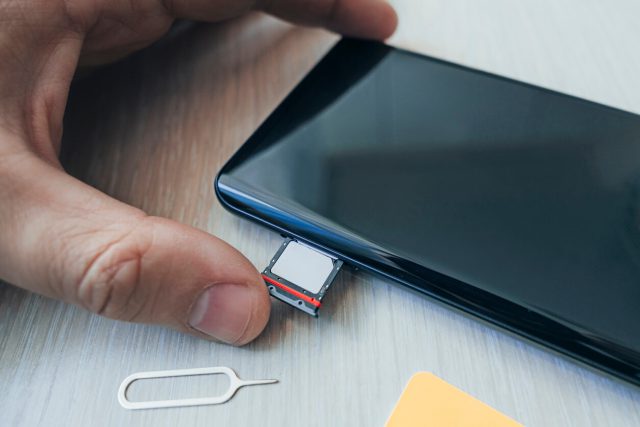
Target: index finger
373	19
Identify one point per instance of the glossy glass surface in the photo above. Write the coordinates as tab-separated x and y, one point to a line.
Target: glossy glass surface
514	203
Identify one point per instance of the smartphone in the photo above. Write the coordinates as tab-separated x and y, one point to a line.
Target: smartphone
513	203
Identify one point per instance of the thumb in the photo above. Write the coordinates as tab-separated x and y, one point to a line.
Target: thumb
66	240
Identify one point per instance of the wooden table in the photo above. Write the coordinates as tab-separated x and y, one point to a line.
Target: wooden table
153	131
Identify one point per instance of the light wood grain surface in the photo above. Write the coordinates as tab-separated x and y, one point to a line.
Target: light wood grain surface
153	131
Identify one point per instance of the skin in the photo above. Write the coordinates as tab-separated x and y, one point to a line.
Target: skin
64	239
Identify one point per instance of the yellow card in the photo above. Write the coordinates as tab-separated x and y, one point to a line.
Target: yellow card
429	401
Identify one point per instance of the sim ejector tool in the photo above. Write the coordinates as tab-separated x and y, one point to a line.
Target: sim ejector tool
234	384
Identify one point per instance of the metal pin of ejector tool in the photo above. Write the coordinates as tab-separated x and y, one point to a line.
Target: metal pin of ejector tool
300	275
234	384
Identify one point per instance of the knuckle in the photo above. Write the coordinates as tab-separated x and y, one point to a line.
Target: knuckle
111	283
78	16
168	5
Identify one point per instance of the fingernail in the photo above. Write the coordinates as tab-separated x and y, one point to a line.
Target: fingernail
223	311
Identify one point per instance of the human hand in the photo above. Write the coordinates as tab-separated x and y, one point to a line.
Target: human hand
63	239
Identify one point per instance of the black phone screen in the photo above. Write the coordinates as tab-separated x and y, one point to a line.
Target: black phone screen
513	202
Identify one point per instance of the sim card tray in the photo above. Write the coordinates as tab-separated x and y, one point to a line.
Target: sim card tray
301	275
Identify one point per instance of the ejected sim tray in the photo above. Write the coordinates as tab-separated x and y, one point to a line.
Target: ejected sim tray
300	275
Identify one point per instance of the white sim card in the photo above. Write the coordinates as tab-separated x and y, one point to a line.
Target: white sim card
303	266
